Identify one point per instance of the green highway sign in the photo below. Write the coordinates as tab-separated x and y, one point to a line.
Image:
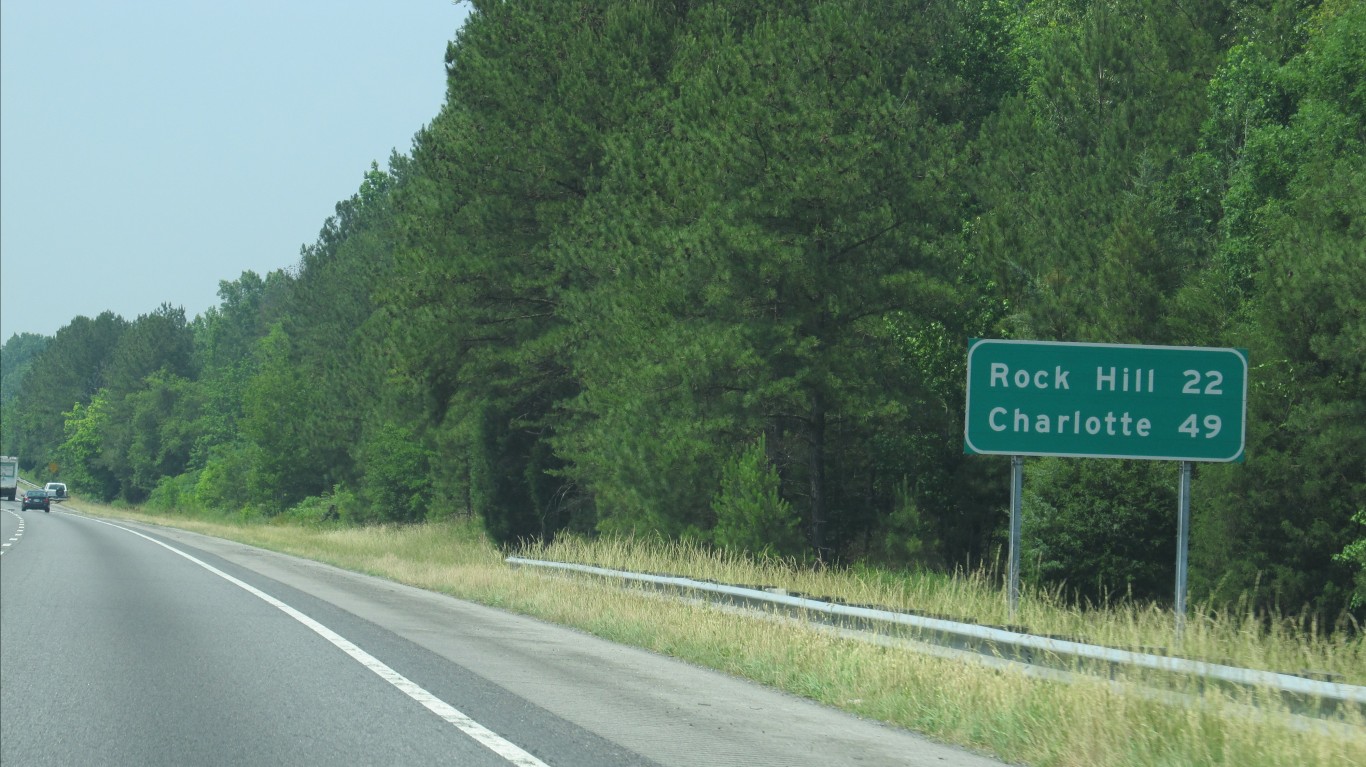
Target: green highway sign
1170	403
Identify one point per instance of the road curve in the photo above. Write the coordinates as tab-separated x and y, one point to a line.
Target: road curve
126	644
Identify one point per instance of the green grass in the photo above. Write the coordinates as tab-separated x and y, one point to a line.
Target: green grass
1020	719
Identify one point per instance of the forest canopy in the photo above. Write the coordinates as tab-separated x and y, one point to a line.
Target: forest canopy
708	270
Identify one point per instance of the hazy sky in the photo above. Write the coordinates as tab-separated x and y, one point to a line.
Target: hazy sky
150	148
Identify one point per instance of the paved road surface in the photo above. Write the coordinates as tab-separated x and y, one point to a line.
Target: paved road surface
123	644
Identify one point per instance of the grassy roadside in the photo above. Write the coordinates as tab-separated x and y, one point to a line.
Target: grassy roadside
1022	720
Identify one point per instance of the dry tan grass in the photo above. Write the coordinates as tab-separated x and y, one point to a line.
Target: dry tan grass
1234	638
1023	720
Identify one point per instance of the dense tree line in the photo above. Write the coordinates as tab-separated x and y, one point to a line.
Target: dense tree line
709	270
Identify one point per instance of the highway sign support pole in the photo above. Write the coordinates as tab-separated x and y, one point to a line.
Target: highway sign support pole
1183	526
1016	501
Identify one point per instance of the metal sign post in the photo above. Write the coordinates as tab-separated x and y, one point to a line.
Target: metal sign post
1183	526
1016	500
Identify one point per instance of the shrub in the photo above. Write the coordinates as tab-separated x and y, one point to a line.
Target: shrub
175	494
751	514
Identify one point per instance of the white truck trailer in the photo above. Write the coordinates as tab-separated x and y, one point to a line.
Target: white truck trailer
9	477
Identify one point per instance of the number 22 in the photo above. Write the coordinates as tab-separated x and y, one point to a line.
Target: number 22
1213	386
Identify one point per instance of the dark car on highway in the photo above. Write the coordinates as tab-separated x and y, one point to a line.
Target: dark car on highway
37	499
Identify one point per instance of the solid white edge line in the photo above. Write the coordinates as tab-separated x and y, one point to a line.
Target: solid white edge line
486	737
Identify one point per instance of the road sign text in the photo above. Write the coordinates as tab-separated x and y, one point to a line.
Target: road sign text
1106	400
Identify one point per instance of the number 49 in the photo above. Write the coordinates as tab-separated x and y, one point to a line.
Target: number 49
1191	426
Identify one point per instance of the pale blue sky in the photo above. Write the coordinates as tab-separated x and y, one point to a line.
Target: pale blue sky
150	149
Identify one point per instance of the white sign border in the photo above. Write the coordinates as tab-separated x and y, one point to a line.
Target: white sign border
1237	457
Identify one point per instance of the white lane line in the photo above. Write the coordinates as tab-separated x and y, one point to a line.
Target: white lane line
18	533
486	737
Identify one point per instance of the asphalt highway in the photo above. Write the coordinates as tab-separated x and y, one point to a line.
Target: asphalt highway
124	644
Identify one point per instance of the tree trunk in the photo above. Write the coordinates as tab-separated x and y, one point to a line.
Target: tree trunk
817	468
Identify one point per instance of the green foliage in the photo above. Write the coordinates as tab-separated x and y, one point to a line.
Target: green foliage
72	368
908	535
16	358
751	516
1296	219
150	433
1105	529
1074	166
224	341
151	402
337	507
639	234
336	332
745	238
229	480
157	342
175	494
396	473
79	453
283	422
1354	555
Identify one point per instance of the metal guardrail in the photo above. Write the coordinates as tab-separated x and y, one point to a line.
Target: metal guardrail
987	639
